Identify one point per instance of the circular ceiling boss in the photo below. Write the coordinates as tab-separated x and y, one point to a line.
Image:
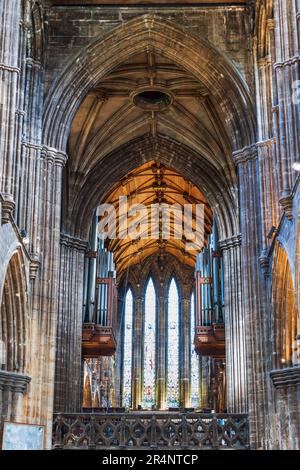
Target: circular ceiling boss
152	98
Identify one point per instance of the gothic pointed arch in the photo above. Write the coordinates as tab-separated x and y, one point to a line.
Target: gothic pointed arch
284	311
211	67
14	316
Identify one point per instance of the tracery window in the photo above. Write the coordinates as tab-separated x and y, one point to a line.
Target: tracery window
149	346
173	346
127	355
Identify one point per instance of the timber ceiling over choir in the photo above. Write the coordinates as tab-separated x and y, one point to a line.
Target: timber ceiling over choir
149	185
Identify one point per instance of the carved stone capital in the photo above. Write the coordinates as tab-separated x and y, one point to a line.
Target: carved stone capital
57	157
229	243
13	381
246	154
283	378
73	242
264	262
287	205
8	206
34	266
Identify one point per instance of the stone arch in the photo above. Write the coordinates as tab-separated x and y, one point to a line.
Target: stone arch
14	315
212	68
285	321
140	275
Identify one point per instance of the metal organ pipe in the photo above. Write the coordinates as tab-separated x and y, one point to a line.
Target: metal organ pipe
90	276
97	269
209	269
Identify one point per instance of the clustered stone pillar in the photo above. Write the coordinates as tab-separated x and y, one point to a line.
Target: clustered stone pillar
185	356
137	378
204	382
68	373
161	352
45	293
287	72
235	326
254	297
10	14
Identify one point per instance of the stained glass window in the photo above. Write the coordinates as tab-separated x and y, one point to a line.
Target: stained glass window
149	346
127	362
173	346
195	361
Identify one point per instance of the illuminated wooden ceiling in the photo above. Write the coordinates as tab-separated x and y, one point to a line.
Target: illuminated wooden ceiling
151	184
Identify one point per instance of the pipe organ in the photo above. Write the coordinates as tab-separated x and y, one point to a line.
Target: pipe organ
100	300
210	327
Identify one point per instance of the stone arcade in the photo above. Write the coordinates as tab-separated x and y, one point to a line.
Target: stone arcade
143	343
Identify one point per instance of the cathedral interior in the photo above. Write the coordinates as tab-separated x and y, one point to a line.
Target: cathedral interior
143	343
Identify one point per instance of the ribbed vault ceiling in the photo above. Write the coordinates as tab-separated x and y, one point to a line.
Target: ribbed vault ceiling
110	121
108	117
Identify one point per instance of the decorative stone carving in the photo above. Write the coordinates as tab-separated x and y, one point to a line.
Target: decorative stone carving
34	266
73	242
229	243
14	381
8	206
286	377
287	205
264	263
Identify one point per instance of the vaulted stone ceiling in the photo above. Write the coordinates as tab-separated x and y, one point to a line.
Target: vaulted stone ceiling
151	184
144	103
109	118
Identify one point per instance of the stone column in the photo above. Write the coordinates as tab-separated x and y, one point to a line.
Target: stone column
251	291
68	393
10	14
287	75
12	387
137	378
286	384
234	326
45	293
185	359
204	382
161	352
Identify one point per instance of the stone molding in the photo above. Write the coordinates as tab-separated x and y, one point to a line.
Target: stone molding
13	381
57	157
73	242
9	68
287	62
282	378
266	143
231	242
34	266
245	155
264	262
8	206
287	205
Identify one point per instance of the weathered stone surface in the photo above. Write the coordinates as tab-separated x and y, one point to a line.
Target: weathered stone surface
66	138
